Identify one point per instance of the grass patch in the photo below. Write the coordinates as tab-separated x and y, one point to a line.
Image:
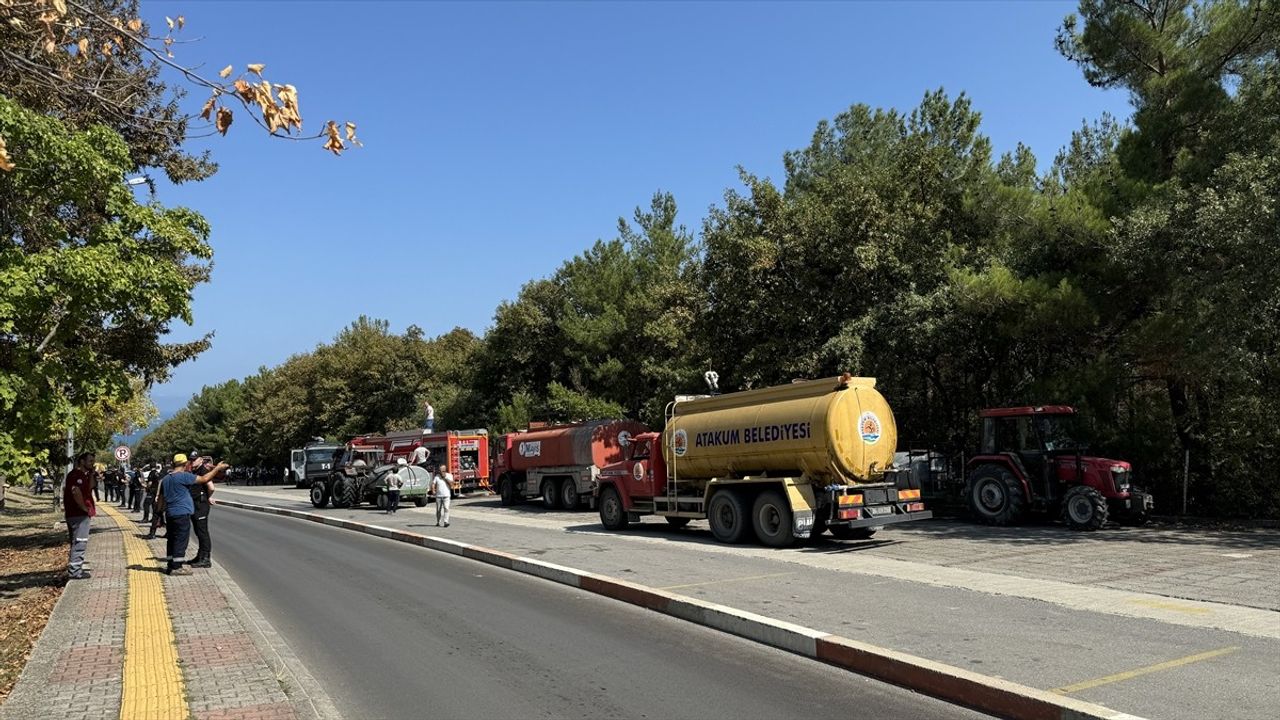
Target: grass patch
33	559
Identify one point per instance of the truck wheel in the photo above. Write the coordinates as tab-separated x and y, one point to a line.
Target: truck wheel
844	532
995	495
338	492
612	515
772	520
507	492
319	494
728	517
569	494
677	522
1084	508
550	495
420	501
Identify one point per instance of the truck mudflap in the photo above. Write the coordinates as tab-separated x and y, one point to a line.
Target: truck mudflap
802	523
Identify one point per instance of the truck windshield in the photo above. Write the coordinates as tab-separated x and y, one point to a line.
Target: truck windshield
321	455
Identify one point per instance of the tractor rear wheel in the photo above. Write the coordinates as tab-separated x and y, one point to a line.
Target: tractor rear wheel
338	491
612	515
844	532
1084	508
319	493
728	517
420	501
383	502
771	517
569	494
996	496
550	495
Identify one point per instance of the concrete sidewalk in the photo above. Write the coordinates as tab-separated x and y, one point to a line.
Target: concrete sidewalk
132	642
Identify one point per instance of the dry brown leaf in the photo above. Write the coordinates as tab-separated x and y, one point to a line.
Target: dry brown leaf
225	71
106	49
289	106
60	6
169	21
256	68
6	164
83	46
223	120
244	89
208	107
50	46
135	25
333	140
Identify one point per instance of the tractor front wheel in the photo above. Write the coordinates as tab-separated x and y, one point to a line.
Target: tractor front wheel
1084	508
996	496
319	493
338	491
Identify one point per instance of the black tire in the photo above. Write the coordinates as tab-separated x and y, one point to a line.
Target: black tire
350	493
569	494
420	501
1133	519
772	519
613	516
1084	508
995	496
507	492
550	494
383	501
844	532
338	491
677	522
728	517
319	494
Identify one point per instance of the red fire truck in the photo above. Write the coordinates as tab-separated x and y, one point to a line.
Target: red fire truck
464	452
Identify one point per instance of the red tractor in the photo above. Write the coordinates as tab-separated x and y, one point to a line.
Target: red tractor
1030	460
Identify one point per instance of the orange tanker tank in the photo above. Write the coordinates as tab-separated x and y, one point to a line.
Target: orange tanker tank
597	442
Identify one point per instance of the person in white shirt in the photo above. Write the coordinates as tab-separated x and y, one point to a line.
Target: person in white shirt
430	425
419	457
394	483
441	490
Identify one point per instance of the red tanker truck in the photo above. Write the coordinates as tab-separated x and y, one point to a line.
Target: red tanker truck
781	464
561	463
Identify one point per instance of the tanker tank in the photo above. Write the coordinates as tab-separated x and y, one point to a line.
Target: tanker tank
836	431
596	442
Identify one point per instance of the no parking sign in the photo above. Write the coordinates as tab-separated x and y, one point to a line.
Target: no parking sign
122	453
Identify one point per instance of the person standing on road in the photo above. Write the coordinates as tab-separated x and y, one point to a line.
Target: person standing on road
420	456
394	483
442	491
430	424
200	494
135	490
78	510
176	502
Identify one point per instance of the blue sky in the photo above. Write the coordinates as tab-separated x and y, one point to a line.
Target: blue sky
503	138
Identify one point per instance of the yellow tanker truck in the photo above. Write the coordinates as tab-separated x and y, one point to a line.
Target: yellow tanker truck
783	463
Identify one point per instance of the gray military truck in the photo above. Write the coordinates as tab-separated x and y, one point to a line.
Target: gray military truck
311	461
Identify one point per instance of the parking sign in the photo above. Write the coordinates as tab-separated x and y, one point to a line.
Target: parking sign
122	453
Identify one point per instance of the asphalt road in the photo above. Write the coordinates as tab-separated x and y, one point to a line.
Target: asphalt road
394	631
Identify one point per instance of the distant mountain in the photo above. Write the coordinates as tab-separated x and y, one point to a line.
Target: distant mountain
132	438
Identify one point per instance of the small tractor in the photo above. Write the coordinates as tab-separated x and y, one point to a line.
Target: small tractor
1030	460
349	477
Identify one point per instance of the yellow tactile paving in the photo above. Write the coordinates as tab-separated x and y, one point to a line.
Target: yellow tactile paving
153	688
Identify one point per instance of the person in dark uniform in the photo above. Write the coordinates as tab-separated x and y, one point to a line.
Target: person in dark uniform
200	518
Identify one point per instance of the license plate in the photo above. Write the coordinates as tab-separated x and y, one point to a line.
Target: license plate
881	510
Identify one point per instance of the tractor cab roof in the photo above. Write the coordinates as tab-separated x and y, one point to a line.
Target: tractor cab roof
1028	411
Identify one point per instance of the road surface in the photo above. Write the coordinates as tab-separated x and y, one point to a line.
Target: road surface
395	631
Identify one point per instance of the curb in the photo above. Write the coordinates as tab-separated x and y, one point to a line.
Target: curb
944	682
